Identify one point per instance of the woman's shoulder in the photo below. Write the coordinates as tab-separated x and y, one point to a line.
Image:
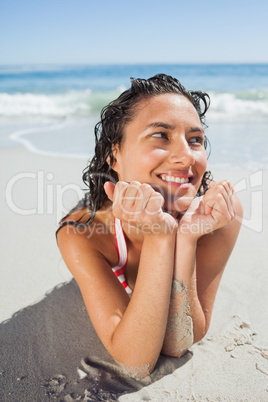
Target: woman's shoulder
83	221
79	234
81	215
72	222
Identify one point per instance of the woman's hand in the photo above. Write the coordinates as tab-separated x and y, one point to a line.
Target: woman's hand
210	212
141	206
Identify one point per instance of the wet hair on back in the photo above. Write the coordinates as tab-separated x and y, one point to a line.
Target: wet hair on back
109	131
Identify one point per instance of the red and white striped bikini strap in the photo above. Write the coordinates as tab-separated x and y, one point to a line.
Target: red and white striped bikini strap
121	246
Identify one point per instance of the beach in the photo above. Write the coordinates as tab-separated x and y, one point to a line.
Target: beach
50	350
48	347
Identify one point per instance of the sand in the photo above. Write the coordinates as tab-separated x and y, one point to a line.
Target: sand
49	350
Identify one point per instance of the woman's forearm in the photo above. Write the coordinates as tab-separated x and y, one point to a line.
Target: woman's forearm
138	338
186	320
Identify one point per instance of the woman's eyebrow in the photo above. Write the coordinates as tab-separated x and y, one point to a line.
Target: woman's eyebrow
156	124
169	126
196	130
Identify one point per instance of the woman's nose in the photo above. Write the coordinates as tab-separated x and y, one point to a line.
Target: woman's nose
182	153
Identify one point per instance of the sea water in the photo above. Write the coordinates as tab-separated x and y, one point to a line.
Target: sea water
53	109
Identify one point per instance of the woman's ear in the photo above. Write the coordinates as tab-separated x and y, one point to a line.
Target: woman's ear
115	150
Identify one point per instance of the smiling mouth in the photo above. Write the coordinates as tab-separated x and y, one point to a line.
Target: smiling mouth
174	179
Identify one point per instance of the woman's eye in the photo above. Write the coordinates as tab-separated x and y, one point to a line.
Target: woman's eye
160	135
196	140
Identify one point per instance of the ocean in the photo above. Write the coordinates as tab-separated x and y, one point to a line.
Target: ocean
53	109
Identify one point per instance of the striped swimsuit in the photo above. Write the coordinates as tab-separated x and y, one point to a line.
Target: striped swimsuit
121	246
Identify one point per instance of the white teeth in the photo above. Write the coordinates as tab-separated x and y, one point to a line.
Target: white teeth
173	179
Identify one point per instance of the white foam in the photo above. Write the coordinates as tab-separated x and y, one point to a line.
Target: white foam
230	106
224	106
56	105
72	103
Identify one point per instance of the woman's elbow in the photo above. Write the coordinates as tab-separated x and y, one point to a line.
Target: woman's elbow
201	333
135	364
137	371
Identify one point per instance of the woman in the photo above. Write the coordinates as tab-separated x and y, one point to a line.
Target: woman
153	226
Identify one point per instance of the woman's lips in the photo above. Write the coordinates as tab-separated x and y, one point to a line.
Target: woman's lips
176	181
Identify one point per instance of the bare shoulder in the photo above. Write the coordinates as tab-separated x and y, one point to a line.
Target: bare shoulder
80	243
71	235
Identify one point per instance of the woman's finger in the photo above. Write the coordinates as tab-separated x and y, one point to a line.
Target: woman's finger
215	192
154	204
220	211
145	192
129	198
118	196
109	189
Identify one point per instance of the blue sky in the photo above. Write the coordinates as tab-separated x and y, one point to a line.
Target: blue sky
133	31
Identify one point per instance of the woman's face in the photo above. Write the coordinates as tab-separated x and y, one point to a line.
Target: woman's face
164	146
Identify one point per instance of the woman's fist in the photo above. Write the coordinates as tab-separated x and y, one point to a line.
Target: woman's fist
141	206
210	212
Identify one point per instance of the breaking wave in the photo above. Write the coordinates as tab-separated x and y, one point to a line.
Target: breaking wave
80	103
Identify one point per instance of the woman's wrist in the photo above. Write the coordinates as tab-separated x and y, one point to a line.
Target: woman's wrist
186	244
187	236
185	258
169	236
163	229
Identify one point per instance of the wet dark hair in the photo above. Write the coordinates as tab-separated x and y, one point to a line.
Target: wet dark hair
109	131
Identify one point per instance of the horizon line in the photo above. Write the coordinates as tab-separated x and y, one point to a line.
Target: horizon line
132	63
